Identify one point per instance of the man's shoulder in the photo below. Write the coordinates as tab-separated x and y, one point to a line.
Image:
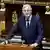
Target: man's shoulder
21	17
36	17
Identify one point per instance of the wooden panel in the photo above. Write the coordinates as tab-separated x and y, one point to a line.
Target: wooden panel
15	47
2	17
27	0
1	47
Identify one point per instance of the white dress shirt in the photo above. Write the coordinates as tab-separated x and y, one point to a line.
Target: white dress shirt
29	21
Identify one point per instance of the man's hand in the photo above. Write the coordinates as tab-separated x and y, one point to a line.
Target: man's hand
24	45
4	42
34	45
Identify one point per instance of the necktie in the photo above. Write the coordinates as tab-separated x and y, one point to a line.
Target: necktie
27	23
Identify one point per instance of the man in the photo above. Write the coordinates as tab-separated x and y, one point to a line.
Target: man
29	26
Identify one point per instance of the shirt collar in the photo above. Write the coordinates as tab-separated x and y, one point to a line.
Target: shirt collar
29	18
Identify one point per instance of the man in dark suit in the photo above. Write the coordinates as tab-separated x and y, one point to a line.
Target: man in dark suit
30	27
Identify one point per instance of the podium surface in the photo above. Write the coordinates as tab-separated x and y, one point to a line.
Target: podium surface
15	47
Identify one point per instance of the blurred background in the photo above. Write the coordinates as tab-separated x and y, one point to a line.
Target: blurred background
10	11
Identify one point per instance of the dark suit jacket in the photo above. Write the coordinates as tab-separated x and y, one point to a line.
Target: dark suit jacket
32	35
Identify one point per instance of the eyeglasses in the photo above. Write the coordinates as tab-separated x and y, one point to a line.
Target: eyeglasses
26	10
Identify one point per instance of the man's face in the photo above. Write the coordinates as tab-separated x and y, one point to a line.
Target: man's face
27	10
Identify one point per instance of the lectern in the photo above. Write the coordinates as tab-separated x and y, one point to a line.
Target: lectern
16	47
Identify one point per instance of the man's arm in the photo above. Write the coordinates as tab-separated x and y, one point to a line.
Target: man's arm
39	27
12	32
39	31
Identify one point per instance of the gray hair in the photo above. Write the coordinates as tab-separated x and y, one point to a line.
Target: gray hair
26	5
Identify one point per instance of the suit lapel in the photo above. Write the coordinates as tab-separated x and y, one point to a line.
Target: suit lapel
31	22
23	22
